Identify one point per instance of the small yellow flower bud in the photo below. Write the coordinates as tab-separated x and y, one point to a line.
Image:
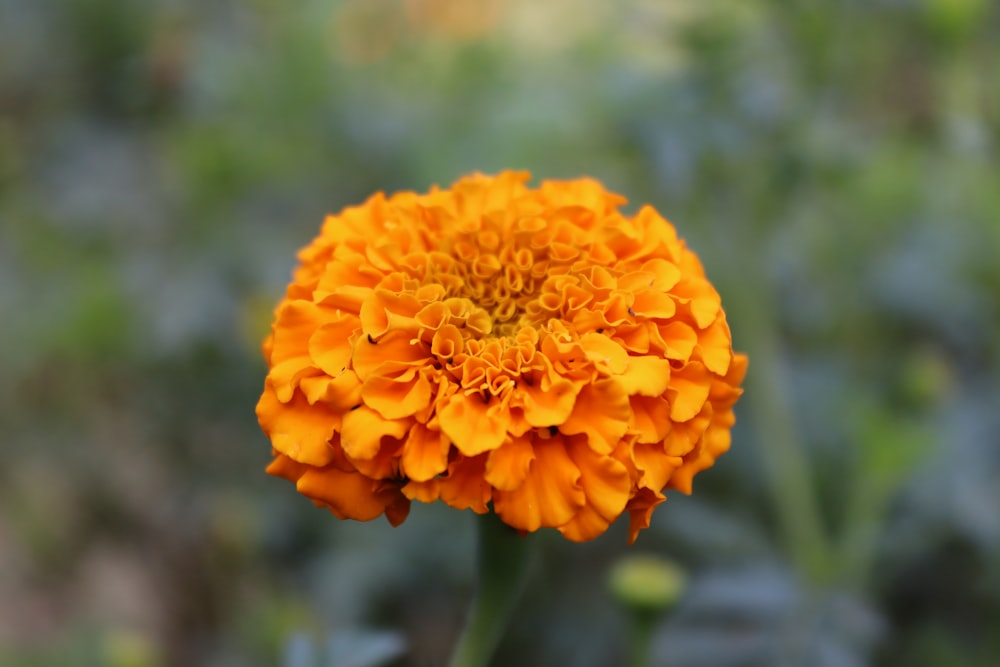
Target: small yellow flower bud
647	582
124	648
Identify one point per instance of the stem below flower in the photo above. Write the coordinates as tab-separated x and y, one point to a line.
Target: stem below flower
641	645
503	559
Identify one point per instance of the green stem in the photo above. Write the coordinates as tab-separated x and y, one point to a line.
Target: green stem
503	559
641	647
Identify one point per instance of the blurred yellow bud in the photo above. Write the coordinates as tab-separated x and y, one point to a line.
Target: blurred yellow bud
647	582
125	648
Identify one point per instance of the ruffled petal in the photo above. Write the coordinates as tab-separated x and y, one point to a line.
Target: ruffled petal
685	436
425	453
295	323
550	495
650	418
425	492
289	375
714	443
679	339
467	420
607	356
464	486
606	484
396	348
363	430
385	464
548	406
640	509
602	413
289	350
646	376
715	346
339	393
657	305
282	466
508	465
654	466
296	429
701	300
347	495
398	509
330	347
688	391
397	397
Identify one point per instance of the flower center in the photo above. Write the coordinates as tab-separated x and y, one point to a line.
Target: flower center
507	270
500	281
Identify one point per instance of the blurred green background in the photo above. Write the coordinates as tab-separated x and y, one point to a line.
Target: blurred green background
834	164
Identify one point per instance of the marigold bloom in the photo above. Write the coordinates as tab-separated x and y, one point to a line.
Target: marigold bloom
490	343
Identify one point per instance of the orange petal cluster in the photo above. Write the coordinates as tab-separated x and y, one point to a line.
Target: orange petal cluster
490	345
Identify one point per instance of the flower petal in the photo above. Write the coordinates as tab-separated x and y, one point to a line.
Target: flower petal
385	311
650	418
425	453
680	340
714	443
650	303
447	342
646	376
684	436
296	429
290	469
715	346
330	347
606	484
608	356
550	495
384	465
288	376
508	465
688	391
640	509
546	405
398	509
294	325
348	495
702	300
467	420
666	274
654	465
394	348
362	432
395	398
289	359
339	394
602	413
464	487
425	492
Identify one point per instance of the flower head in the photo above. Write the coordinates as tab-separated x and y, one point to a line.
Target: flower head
533	349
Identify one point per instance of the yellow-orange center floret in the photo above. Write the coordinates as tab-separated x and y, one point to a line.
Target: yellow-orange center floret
490	343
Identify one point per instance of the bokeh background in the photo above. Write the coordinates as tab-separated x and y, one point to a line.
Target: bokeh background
834	164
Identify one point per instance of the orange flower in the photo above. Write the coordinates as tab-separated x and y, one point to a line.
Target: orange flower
490	343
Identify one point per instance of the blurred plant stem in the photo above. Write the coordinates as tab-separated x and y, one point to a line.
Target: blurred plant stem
889	448
503	557
642	626
648	586
789	481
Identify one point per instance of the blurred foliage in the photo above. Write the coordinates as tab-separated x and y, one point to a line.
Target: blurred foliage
834	165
